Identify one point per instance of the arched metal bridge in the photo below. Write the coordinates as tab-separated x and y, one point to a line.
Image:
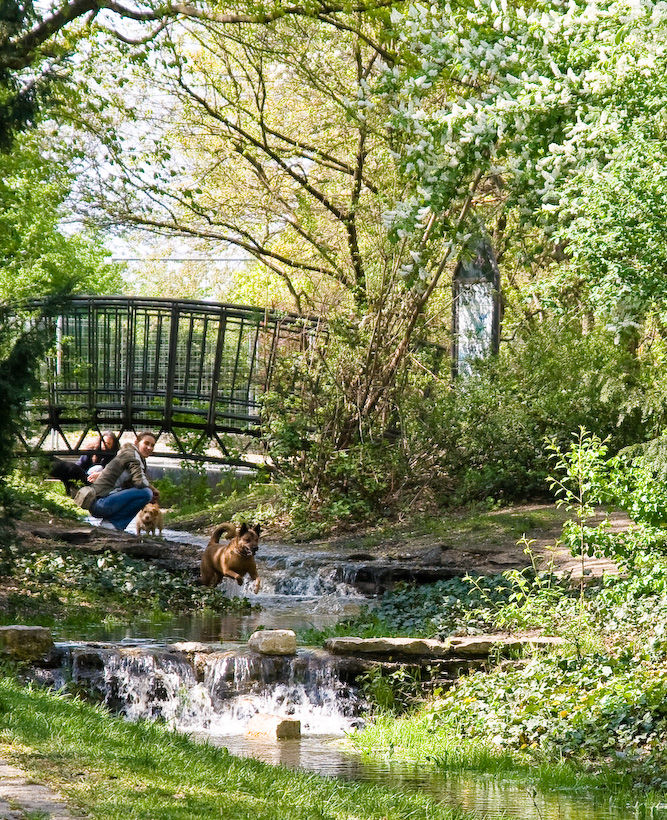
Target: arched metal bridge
194	372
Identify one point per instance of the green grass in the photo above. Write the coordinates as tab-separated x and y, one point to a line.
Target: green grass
257	503
413	738
113	769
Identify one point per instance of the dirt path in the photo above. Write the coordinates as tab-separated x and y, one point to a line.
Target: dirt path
487	543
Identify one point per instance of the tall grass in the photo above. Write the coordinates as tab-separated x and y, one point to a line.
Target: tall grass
117	770
414	738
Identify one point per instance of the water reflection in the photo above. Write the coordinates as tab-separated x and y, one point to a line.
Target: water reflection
483	796
278	612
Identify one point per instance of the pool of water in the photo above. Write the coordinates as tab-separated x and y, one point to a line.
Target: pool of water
486	797
277	612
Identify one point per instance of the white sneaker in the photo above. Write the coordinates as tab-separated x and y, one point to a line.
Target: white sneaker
106	525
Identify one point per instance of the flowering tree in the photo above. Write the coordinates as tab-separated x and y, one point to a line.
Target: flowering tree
550	116
357	153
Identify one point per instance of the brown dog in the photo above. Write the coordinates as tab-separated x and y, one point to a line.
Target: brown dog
233	560
150	519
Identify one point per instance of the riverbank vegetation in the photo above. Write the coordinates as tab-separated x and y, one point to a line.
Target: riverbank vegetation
116	770
90	586
600	701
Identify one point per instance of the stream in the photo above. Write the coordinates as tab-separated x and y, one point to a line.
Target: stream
144	670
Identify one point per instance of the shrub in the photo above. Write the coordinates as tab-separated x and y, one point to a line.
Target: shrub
433	442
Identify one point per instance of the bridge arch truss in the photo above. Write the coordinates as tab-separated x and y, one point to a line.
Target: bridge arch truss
193	371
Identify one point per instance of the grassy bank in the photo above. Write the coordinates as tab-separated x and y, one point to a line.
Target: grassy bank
595	707
117	770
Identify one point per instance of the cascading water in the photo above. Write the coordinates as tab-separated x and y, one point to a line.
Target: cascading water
216	692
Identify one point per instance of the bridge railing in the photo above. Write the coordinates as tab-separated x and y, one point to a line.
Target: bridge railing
193	371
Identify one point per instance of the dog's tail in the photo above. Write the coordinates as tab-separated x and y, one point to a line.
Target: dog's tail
227	528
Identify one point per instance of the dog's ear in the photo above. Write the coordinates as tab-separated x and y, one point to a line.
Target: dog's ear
243	529
257	529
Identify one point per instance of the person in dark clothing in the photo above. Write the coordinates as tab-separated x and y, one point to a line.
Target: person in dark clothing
100	452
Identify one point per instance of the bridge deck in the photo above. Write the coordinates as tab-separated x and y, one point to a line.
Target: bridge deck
193	371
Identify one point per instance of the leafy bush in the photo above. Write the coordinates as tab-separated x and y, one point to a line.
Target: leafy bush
602	710
437	443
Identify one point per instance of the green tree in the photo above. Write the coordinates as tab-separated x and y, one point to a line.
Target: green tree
24	341
37	257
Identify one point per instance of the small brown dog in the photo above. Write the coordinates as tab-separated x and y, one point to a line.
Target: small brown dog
150	519
233	560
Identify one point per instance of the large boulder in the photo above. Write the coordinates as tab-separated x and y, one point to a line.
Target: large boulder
25	643
273	642
274	727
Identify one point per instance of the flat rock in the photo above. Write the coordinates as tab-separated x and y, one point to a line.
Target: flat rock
26	643
481	646
388	646
273	642
477	646
274	727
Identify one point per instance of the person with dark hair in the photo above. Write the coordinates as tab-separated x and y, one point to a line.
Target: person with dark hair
123	487
99	453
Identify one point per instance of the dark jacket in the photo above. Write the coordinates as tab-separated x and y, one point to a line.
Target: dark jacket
128	462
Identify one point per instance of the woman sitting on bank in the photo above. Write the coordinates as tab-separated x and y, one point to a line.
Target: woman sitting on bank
123	488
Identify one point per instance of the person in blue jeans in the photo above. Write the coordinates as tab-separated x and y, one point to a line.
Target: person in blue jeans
123	488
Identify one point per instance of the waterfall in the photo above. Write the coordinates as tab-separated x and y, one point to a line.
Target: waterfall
216	692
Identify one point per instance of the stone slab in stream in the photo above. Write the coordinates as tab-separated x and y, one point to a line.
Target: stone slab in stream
273	642
274	727
477	646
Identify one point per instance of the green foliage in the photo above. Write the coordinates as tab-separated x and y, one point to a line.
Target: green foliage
36	257
615	233
79	579
400	689
33	493
441	444
24	341
534	597
18	99
191	491
587	478
235	498
599	702
603	711
579	487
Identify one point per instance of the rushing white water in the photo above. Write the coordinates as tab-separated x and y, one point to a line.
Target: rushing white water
217	692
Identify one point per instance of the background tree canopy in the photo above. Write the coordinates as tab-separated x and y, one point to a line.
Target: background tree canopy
355	152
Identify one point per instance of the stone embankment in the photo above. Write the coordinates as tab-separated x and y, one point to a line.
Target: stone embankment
478	647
